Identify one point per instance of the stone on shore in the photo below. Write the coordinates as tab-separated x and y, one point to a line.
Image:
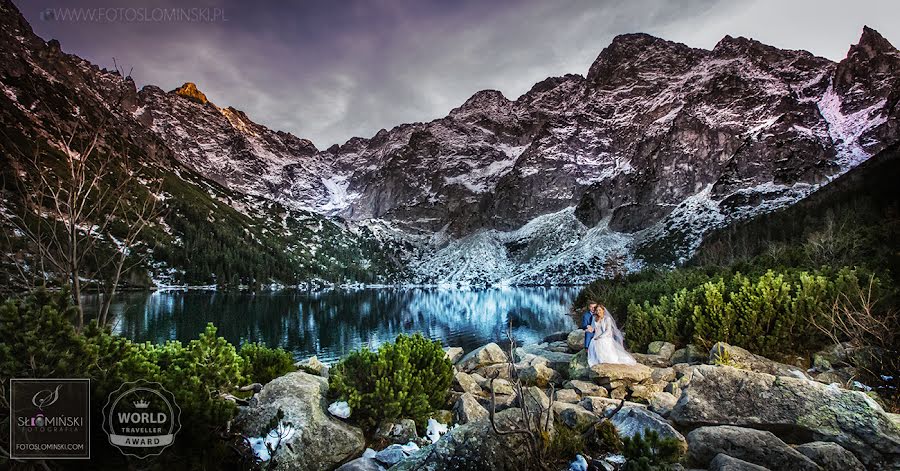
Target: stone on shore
613	375
489	354
753	446
738	357
465	383
586	388
663	349
794	407
575	340
320	442
723	462
468	409
690	354
453	354
630	421
539	374
830	456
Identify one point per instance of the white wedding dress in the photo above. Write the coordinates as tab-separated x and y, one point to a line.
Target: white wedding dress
607	345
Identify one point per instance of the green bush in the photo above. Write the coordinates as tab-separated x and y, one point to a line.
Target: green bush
263	364
647	452
409	378
40	341
775	312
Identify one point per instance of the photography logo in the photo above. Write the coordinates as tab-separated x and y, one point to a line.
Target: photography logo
50	418
141	419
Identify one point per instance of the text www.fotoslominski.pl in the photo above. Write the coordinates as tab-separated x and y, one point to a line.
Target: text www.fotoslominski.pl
134	15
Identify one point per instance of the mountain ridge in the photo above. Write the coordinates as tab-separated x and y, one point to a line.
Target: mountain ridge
657	144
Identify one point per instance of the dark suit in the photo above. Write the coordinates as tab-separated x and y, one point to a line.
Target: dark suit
586	320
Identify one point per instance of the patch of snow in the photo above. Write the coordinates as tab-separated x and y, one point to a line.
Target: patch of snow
339	409
847	129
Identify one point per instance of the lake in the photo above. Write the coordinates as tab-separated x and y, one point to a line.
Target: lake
331	323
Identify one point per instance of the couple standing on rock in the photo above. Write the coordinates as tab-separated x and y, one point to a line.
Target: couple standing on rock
603	341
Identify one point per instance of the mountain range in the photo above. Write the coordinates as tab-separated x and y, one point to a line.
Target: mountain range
634	162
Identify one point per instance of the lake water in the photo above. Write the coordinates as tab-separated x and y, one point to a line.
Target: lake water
333	322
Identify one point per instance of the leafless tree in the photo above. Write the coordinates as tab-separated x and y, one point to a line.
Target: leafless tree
79	216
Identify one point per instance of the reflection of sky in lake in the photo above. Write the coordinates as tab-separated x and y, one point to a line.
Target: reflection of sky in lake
330	323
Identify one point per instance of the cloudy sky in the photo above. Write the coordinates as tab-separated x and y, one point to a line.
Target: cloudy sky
330	70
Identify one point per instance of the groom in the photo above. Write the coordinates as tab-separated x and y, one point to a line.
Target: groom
586	321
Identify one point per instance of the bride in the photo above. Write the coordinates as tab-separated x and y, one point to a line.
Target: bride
607	343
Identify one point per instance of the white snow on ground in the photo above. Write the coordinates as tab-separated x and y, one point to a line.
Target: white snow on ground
846	129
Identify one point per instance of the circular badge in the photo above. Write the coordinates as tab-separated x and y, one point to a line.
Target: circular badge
141	418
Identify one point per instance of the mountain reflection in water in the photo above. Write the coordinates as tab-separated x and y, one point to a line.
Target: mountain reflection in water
333	322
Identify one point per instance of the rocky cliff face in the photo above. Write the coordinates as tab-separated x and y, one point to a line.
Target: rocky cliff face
658	144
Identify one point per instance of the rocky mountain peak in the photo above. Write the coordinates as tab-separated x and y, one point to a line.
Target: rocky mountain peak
189	90
629	55
872	57
484	101
871	43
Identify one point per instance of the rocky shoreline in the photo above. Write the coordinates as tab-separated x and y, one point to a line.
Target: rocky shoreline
728	409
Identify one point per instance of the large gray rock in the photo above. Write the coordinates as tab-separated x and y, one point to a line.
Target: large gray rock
831	456
320	442
631	420
539	374
574	416
723	462
489	354
663	349
691	354
662	403
741	358
575	340
468	409
556	360
754	446
587	388
579	368
466	383
453	354
613	375
362	464
653	361
475	446
801	409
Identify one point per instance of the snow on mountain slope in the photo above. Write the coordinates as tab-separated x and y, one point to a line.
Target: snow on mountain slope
656	145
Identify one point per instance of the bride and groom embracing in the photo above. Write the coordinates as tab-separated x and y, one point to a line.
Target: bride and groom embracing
602	339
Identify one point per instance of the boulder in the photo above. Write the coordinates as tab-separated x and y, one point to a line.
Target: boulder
567	395
320	442
559	346
586	388
501	386
643	392
481	380
534	399
497	370
390	455
539	374
603	406
468	409
396	432
476	446
690	354
615	375
663	349
723	462
665	375
579	368
574	416
753	446
560	336
465	383
361	464
453	354
555	360
502	401
737	357
313	365
653	361
489	354
630	421
830	456
575	340
662	403
798	409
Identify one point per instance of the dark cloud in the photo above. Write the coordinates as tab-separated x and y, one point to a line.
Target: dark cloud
330	70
